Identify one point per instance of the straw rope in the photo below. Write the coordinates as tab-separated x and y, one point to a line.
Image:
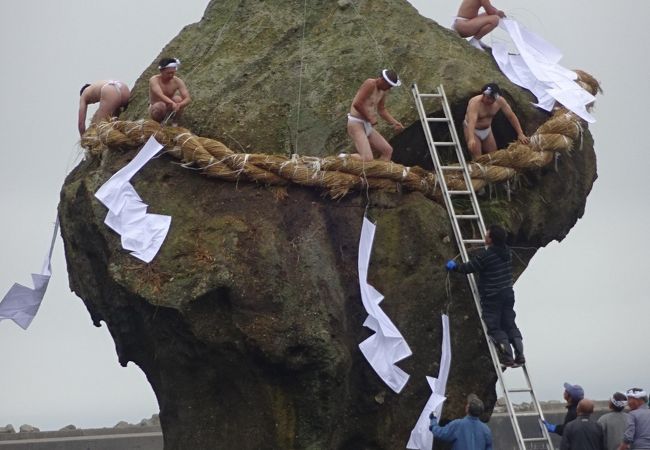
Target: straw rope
339	175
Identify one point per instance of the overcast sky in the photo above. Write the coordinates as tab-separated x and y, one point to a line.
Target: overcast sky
582	304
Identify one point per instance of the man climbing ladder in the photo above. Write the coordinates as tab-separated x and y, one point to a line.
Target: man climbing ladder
494	268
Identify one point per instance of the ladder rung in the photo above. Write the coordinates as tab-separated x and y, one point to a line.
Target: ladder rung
451	167
437	119
430	95
537	439
527	414
519	390
473	241
459	192
444	144
467	216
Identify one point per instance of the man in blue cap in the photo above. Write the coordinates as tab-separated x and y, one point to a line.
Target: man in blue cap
573	393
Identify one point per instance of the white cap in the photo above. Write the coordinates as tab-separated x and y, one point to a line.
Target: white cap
384	74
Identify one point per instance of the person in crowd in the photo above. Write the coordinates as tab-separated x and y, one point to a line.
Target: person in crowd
468	433
614	422
573	393
637	431
583	433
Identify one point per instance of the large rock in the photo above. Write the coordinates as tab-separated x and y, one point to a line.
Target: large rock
248	321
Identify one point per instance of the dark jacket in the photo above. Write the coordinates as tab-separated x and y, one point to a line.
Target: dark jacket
493	266
582	434
571	414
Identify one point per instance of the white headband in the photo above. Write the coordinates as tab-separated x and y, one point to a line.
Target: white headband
175	64
384	74
618	403
488	91
636	393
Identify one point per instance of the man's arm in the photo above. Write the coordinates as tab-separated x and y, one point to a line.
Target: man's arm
512	118
475	264
81	121
383	112
471	116
445	433
185	94
487	6
360	102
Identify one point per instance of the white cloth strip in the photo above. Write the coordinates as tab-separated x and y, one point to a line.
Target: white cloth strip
142	233
537	69
21	303
421	438
387	346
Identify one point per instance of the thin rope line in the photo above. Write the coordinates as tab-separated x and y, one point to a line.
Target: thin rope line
302	58
378	48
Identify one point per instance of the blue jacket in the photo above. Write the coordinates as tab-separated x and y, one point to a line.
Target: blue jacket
468	433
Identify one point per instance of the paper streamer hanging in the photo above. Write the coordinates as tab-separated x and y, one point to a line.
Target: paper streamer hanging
142	233
21	303
387	346
421	438
537	69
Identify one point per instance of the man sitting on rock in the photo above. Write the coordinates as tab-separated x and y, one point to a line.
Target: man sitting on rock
494	268
468	433
111	95
481	109
469	23
168	95
367	104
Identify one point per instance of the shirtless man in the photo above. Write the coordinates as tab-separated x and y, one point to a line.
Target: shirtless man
481	109
111	95
168	95
469	23
367	104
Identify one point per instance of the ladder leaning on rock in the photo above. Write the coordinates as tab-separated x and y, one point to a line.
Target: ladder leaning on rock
475	219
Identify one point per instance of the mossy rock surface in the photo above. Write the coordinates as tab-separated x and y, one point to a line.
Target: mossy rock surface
247	323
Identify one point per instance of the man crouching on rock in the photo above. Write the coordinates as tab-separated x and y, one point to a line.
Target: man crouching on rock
367	104
168	95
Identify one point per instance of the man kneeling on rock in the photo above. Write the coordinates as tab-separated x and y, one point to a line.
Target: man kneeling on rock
168	95
494	268
367	104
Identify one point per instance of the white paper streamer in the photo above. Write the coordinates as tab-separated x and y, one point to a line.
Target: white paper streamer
21	303
387	346
142	233
537	69
421	438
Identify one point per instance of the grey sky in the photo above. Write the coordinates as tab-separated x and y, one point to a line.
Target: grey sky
582	304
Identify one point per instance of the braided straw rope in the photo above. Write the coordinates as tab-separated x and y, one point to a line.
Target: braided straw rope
339	175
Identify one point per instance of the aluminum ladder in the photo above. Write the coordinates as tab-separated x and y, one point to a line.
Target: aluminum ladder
542	441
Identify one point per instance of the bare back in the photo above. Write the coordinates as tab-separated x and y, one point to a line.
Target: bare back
367	100
468	9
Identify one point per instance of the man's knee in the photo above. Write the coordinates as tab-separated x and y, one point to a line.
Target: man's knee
158	111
